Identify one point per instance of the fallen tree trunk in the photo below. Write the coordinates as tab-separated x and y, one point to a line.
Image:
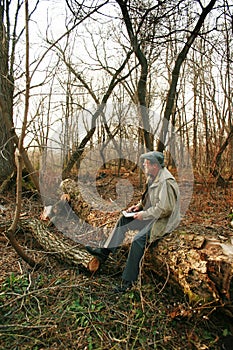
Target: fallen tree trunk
200	266
63	251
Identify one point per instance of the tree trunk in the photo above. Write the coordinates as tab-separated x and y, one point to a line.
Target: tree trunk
142	83
7	164
217	159
8	136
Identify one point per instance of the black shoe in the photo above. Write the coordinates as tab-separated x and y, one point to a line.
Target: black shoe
100	253
123	287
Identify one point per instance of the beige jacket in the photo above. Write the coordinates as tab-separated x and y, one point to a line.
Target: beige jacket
164	197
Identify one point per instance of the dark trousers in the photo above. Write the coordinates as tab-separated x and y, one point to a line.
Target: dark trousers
138	245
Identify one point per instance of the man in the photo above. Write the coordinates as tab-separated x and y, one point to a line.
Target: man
157	214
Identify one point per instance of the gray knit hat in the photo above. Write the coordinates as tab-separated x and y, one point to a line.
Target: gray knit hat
154	157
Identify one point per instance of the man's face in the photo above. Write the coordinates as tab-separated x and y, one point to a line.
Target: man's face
151	169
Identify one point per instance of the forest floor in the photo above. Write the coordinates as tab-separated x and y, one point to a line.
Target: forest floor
64	307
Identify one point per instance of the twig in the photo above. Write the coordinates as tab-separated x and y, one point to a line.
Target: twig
168	275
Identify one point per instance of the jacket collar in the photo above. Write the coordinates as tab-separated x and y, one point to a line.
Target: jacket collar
162	175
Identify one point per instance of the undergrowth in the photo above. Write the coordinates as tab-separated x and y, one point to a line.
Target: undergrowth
59	308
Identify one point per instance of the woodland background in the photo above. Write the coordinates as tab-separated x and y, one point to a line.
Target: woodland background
137	75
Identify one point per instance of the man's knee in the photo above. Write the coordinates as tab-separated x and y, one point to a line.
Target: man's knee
138	242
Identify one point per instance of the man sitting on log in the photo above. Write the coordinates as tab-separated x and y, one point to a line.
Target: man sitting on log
157	214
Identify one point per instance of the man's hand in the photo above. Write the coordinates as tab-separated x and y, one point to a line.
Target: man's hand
138	215
133	208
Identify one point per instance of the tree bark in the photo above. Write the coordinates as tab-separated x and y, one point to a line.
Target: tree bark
7	163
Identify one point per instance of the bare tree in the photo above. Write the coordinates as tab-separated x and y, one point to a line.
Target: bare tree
116	79
211	81
136	18
142	82
176	72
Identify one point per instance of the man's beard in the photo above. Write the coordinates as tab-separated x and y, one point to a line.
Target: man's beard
150	179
